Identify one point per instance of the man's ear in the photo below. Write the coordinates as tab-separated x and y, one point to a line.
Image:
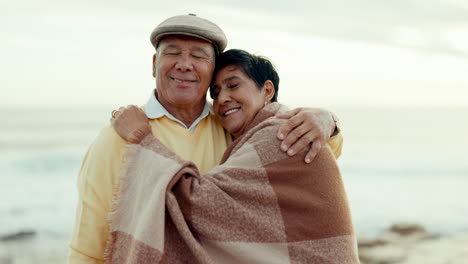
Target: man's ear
269	90
154	65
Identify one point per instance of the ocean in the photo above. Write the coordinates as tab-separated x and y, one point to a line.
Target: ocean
398	165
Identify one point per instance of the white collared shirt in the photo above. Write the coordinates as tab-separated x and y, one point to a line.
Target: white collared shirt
154	109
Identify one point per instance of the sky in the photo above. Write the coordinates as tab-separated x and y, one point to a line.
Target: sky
59	53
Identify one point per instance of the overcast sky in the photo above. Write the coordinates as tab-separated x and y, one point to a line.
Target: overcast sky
350	52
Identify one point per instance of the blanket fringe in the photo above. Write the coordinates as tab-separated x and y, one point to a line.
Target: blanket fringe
129	152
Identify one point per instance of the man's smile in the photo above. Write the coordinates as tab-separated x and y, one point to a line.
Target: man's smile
182	80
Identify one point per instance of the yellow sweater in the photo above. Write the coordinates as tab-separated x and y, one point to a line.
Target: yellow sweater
101	166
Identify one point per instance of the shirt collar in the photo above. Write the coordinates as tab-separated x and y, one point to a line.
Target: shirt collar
154	109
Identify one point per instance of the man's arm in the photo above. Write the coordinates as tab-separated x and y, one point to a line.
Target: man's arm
310	126
96	179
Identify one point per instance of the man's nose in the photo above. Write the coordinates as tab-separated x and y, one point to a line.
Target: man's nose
184	63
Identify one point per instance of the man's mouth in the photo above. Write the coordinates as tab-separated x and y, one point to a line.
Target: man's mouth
231	111
181	81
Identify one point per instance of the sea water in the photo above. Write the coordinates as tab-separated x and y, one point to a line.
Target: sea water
398	164
406	165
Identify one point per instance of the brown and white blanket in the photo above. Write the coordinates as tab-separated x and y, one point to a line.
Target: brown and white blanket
258	206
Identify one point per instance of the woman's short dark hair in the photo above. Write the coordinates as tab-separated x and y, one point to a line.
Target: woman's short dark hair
258	68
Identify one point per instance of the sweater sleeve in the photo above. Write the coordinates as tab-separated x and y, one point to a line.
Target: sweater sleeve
96	179
336	145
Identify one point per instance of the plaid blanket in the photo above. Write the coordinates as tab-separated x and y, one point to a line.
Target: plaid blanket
258	206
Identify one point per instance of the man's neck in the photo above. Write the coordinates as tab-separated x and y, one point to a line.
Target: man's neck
187	114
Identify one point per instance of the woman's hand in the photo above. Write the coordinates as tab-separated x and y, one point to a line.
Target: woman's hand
131	123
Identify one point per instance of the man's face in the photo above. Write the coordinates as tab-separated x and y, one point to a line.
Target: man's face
183	67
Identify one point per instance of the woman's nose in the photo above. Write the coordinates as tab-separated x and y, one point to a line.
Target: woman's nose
223	96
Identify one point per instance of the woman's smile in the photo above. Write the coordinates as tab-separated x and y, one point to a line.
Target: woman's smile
231	111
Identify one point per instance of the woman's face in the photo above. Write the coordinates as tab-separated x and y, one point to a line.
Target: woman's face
237	99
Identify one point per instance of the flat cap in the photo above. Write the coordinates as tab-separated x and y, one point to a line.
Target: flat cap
190	25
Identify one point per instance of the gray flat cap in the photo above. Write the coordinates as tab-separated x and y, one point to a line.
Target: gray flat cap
190	25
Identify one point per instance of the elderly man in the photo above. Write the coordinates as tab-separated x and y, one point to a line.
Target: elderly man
180	117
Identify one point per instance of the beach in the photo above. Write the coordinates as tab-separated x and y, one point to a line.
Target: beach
405	243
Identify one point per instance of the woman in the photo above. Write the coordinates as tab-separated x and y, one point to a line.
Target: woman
258	206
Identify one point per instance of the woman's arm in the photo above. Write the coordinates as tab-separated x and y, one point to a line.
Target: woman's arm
309	126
